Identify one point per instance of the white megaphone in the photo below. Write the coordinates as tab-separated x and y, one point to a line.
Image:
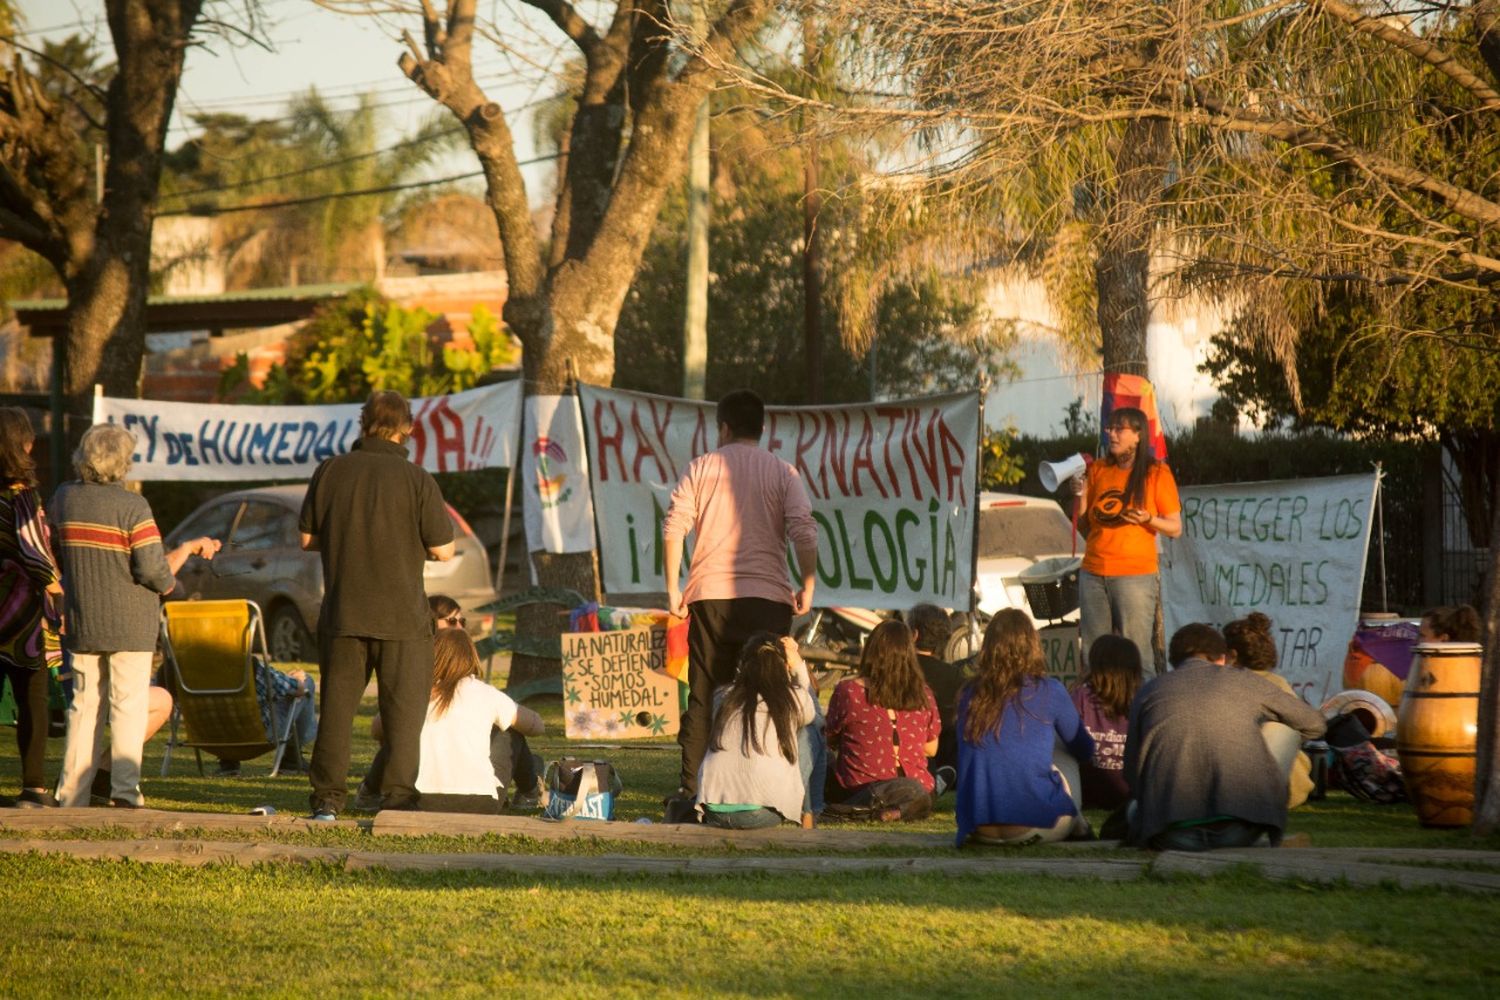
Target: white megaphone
1054	474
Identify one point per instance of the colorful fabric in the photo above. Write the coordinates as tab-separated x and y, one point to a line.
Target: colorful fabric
1121	391
28	621
1115	547
866	738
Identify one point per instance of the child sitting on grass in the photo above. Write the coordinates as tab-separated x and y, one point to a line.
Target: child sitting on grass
456	773
1103	700
1252	648
750	777
1020	740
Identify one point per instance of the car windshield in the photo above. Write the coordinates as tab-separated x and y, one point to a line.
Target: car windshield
1031	532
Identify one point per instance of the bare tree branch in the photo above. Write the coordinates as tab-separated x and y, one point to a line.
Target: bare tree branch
572	24
1415	46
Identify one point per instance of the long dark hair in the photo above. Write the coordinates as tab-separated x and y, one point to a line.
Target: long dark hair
453	659
1011	655
1114	673
1145	455
889	666
762	676
1249	639
16	463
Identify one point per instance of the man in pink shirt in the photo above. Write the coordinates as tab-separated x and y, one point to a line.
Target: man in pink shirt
742	504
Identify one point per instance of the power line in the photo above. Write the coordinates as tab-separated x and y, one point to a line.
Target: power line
341	92
315	168
337	195
342	161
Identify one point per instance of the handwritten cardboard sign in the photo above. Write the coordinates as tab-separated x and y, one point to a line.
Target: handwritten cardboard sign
615	685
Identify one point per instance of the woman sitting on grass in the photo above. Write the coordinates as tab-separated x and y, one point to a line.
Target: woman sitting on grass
456	774
1103	700
1252	648
882	727
1012	787
750	777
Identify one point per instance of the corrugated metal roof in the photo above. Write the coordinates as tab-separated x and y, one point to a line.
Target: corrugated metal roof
294	293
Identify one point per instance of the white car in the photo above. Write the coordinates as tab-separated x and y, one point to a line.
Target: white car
1015	533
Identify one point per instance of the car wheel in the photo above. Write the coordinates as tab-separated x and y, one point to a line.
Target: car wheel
288	637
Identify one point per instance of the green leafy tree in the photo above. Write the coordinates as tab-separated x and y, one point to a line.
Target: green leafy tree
366	343
235	161
925	331
1432	375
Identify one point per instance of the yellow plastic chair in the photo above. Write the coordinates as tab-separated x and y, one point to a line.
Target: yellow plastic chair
211	648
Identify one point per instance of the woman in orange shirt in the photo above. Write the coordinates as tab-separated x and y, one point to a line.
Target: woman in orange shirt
1130	498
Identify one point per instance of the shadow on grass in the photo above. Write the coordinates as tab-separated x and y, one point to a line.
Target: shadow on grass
866	935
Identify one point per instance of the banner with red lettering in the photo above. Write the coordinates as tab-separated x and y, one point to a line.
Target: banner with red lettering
476	429
891	484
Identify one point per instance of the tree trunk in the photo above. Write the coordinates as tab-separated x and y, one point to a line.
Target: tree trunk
108	275
1122	273
1487	743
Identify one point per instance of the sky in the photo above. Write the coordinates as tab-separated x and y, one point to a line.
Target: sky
341	55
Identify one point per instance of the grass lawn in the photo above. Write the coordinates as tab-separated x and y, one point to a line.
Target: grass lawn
649	769
122	928
298	931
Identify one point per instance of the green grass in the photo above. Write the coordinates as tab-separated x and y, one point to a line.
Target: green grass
649	769
129	928
318	930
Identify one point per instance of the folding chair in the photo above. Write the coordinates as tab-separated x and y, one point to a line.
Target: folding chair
212	650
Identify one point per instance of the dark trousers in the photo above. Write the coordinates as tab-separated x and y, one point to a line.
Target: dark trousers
404	669
717	630
1211	836
29	687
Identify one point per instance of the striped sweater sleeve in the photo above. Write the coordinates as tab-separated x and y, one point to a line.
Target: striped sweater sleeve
148	559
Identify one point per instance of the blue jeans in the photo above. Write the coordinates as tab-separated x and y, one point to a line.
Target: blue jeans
1124	605
750	819
812	761
1228	833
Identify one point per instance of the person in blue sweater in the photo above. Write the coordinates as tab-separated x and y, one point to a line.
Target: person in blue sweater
1020	740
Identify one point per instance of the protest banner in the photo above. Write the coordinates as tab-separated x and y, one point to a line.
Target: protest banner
616	685
469	430
1293	550
1062	652
891	484
558	506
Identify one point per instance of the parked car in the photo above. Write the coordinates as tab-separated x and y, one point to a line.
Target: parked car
262	560
1015	533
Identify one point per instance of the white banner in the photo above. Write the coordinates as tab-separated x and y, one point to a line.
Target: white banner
1293	550
892	489
476	429
559	510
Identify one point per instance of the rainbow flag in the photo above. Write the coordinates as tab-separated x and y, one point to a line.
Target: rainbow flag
1132	390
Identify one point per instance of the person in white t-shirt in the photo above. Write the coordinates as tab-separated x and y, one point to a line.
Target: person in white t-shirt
456	773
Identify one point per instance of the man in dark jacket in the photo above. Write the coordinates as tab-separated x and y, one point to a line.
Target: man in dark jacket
375	518
1199	770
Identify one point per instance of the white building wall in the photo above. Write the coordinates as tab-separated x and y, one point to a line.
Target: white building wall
1036	402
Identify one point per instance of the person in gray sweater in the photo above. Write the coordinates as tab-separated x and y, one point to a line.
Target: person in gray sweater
114	573
1198	768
